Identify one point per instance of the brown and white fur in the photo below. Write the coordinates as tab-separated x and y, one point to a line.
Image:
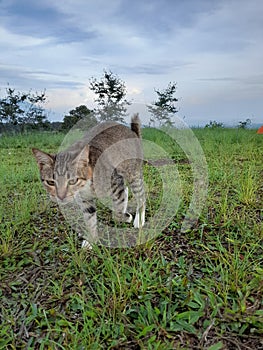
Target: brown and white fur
107	158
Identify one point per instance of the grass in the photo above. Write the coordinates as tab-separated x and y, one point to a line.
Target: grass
201	289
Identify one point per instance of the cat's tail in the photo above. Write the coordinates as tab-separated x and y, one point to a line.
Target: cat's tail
136	124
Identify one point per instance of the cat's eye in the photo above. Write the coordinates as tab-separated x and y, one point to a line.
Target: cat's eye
73	181
50	182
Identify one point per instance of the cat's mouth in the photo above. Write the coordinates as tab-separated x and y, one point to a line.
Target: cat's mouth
63	201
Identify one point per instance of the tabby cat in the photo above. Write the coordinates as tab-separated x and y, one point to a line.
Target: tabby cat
104	161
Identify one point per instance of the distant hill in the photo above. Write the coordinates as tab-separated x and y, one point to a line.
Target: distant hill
255	126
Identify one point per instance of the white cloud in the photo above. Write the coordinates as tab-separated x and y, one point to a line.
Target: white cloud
10	40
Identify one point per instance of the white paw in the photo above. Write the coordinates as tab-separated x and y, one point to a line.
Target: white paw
139	220
86	245
130	218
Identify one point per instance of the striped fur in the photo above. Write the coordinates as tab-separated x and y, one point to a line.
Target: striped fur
78	171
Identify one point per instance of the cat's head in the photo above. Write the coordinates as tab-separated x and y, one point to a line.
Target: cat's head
65	173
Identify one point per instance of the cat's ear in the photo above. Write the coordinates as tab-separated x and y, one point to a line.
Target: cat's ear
43	158
82	159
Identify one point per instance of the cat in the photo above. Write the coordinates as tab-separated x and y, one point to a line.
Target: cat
104	161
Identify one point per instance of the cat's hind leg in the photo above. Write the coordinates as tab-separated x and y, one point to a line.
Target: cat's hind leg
137	188
119	196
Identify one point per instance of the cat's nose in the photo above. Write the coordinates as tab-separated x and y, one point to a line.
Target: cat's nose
61	197
61	194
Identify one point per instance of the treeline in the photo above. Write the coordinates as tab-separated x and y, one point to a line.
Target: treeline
23	112
20	111
243	124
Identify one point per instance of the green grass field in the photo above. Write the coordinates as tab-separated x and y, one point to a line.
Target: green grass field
199	289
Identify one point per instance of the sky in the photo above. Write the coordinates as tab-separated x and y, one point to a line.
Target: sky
212	49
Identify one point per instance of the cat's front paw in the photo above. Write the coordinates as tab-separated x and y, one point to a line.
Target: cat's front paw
123	217
86	245
127	217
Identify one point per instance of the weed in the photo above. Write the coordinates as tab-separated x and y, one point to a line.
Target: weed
201	289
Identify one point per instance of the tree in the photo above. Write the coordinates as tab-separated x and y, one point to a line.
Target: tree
111	93
244	124
23	110
77	114
164	108
214	125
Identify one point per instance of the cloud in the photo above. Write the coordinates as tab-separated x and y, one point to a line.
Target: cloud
161	68
248	80
40	20
10	40
212	49
25	77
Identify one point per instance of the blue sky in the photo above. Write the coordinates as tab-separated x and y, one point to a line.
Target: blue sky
213	49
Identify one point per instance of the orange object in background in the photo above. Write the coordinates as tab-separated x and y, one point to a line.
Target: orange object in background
260	130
